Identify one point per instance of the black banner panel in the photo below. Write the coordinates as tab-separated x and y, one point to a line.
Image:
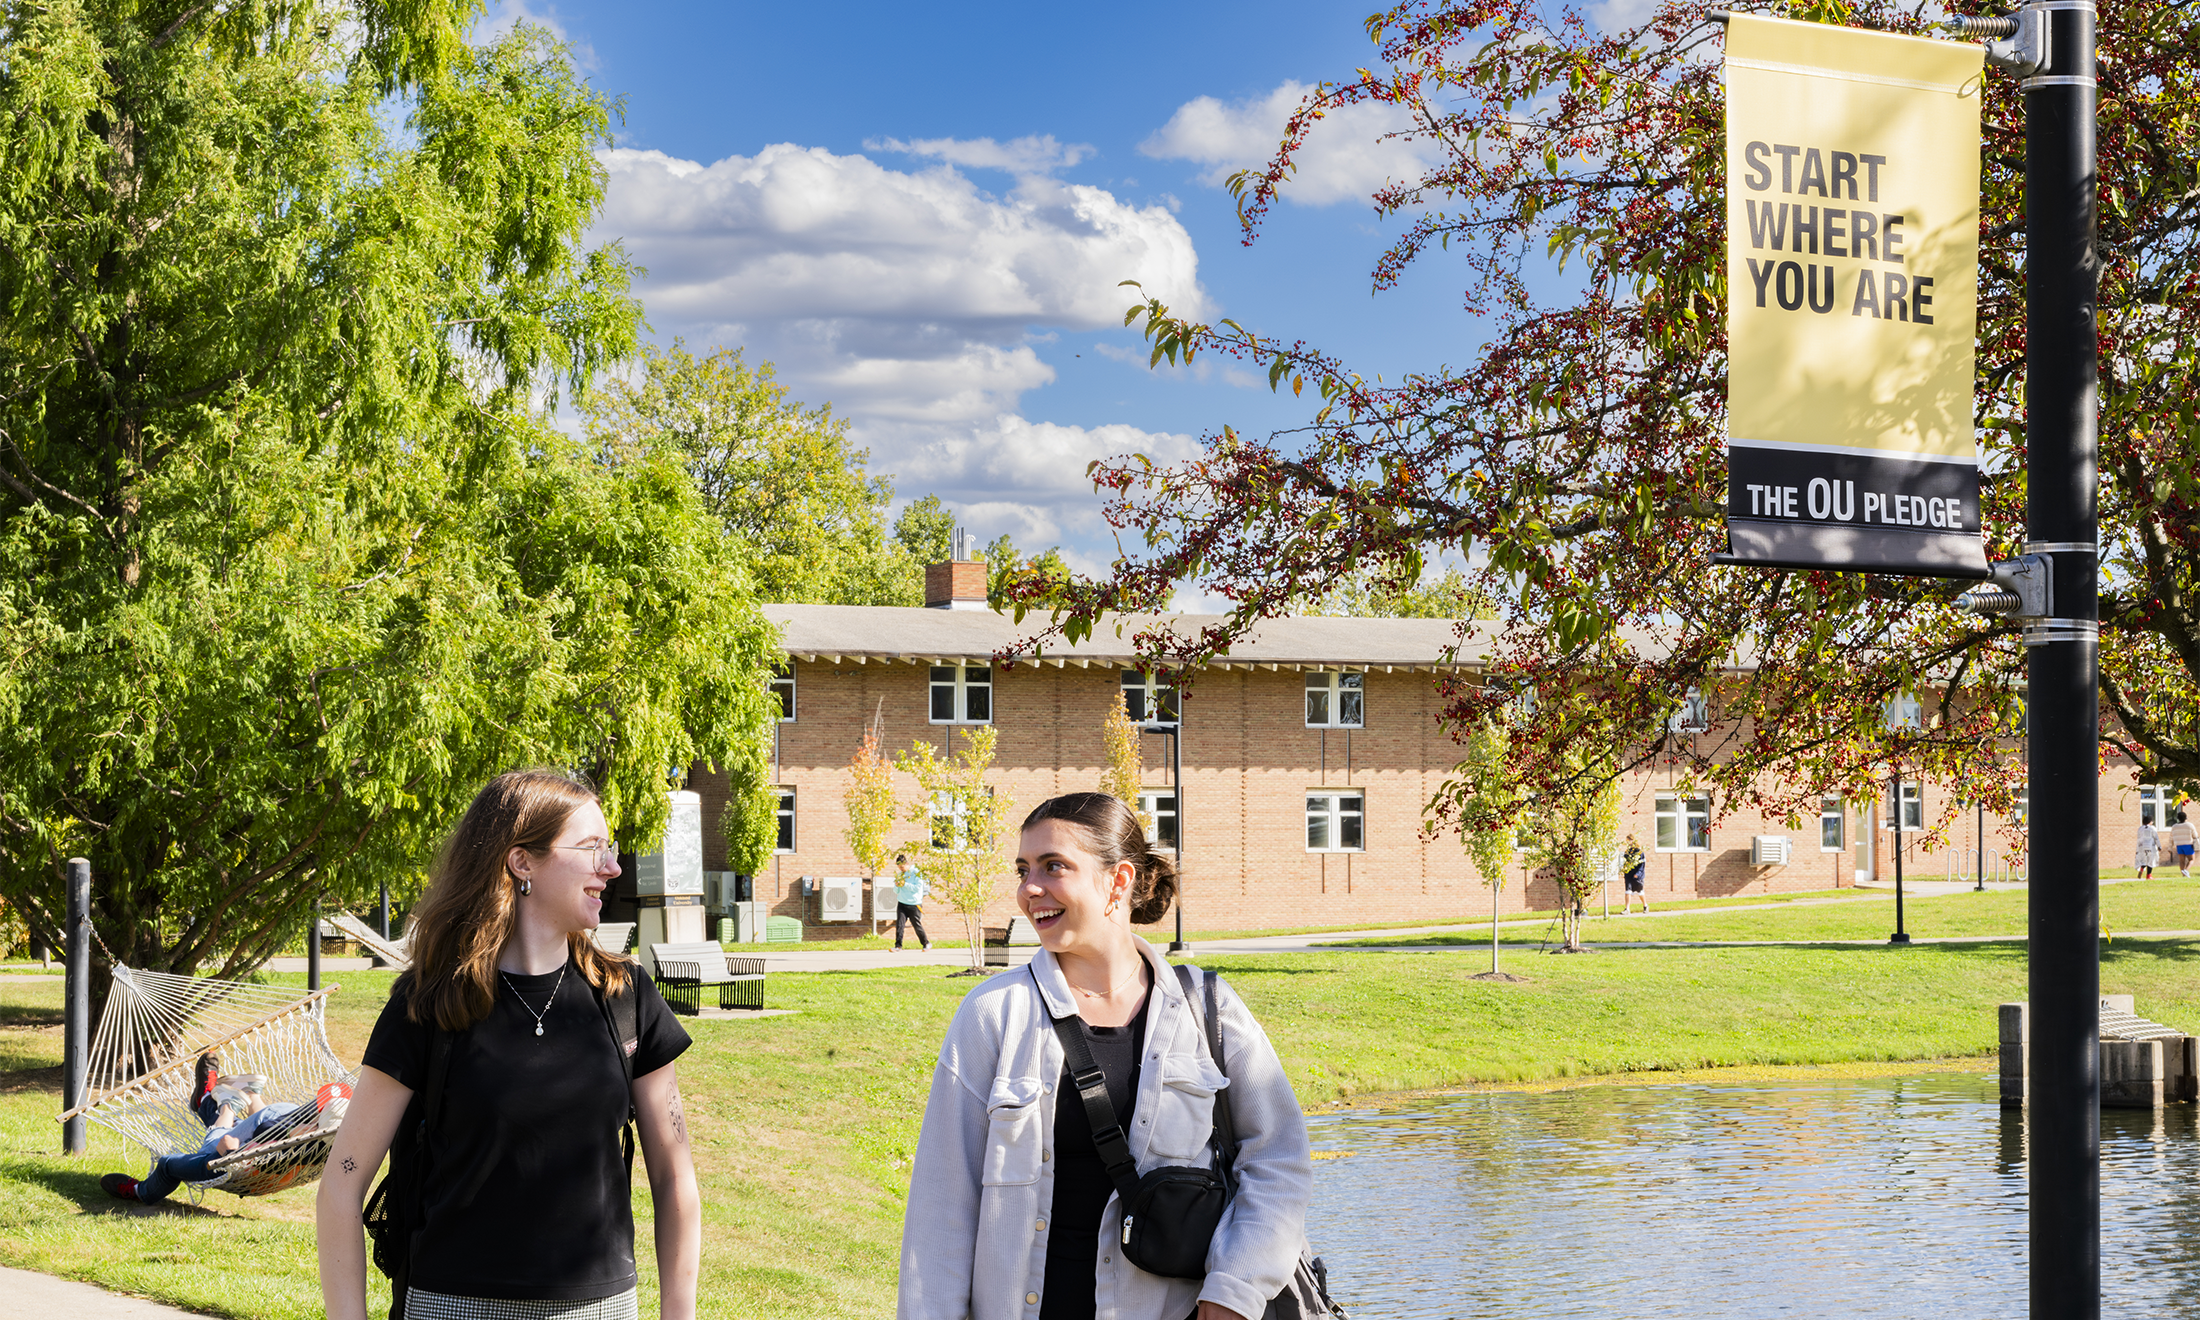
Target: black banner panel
1853	509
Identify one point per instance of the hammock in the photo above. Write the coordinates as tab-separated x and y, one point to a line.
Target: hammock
156	1025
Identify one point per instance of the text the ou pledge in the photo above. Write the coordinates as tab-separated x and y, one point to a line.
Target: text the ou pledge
1811	229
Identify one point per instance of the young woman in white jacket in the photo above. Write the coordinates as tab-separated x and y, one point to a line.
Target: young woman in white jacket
1011	1214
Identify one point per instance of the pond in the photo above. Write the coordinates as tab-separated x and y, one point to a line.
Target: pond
1892	1197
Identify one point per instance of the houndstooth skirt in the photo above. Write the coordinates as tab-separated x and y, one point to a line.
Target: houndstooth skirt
423	1305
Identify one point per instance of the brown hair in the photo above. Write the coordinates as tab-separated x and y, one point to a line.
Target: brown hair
1114	835
472	903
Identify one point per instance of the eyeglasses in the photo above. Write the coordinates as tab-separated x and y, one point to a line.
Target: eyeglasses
598	852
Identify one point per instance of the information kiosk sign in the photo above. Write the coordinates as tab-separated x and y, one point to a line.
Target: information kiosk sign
1852	278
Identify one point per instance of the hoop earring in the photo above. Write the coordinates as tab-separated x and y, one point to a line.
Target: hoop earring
526	887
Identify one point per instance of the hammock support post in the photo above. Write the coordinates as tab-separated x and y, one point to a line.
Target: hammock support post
313	949
77	1011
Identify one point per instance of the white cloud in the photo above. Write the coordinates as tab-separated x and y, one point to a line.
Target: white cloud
1024	155
1345	156
912	301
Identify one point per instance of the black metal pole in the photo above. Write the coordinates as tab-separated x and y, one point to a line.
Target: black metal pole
1900	936
76	1017
1981	832
1176	785
313	949
2062	373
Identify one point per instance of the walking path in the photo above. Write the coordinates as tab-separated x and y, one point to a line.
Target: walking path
31	1293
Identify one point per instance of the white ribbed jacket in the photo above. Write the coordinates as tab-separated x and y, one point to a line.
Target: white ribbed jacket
974	1239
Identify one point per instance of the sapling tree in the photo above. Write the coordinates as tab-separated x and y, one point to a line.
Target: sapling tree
1486	811
965	820
1124	774
1575	461
873	809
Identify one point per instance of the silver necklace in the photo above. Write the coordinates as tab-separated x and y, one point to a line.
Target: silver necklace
545	1004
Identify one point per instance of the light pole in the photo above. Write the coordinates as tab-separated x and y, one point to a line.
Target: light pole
1175	734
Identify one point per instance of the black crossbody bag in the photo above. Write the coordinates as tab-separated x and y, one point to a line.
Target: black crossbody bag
1170	1214
393	1213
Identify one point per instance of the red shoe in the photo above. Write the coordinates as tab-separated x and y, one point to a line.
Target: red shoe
121	1186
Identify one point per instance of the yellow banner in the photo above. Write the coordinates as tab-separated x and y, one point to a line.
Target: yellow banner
1852	277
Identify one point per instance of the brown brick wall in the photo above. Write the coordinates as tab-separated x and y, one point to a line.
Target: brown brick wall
1248	759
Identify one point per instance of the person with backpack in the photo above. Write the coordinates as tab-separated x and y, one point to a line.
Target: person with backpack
1108	1137
506	1078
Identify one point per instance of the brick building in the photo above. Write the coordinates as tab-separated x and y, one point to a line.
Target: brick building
1307	755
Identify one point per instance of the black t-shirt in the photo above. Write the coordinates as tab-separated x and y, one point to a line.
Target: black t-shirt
1081	1186
526	1197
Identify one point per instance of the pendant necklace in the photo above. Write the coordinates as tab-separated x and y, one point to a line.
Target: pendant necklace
546	1003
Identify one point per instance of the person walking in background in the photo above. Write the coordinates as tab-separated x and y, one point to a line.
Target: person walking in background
512	1013
1634	867
909	901
1013	1211
2148	852
2182	837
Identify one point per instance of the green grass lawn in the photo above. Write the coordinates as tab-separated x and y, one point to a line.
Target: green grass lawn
803	1125
2142	905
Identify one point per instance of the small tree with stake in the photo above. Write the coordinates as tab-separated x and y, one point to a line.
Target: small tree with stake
1487	812
966	820
1576	826
871	806
1125	772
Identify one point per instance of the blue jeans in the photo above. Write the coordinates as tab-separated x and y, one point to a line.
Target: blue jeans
172	1171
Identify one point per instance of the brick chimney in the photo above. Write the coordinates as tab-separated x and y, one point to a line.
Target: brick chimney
958	584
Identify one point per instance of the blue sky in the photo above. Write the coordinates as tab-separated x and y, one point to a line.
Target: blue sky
920	214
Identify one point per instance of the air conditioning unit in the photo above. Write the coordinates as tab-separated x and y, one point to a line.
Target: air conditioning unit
1768	850
883	892
840	898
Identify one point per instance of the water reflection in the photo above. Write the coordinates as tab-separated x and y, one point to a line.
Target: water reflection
1896	1197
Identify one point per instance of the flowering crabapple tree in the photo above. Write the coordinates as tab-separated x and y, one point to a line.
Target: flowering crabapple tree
1577	462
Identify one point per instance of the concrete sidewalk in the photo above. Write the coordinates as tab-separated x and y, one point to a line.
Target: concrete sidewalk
30	1293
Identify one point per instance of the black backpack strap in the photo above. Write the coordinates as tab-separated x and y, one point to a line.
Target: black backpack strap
622	1017
1092	1088
1226	1142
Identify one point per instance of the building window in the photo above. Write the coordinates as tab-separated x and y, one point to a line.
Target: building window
2155	804
1159	806
1333	700
1833	814
1148	700
1693	715
951	823
783	690
1684	822
962	694
1905	713
1335	822
2023	804
786	822
1913	807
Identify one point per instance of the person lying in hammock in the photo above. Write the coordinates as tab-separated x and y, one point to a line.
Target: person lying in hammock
228	1131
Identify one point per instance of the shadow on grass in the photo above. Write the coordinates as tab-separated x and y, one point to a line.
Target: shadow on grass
29	1015
78	1182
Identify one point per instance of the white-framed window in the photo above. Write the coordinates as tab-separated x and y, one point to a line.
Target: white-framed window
1693	715
2023	811
1833	819
1683	822
2155	803
1335	699
951	822
785	843
1912	808
962	694
1148	700
783	690
1159	805
1905	713
1336	821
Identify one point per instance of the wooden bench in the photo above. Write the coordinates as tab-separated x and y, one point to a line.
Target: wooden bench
684	969
1017	934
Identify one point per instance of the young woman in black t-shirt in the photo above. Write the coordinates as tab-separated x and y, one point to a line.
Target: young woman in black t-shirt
526	1205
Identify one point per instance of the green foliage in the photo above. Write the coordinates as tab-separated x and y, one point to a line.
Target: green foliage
782	476
870	801
965	820
1007	572
289	561
1124	767
925	531
1366	594
1487	812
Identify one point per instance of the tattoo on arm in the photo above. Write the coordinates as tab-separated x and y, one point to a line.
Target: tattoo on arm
679	1121
349	1165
